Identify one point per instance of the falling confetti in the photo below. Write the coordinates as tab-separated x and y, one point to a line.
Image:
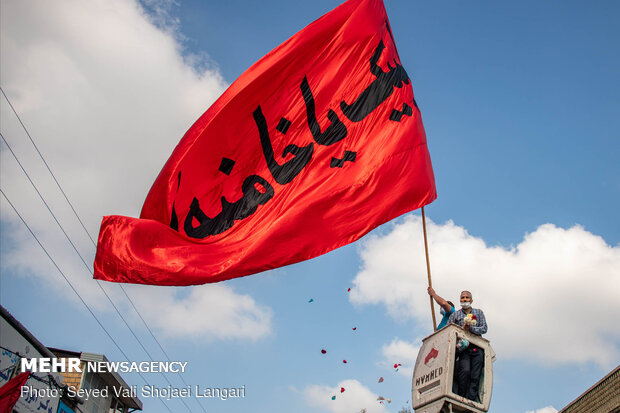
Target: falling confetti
344	361
323	351
354	328
333	397
380	398
349	290
311	300
397	365
342	390
380	379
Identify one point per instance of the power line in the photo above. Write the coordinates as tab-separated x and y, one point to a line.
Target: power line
92	241
157	341
46	165
82	259
74	290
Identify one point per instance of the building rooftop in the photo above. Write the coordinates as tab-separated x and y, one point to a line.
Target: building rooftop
603	397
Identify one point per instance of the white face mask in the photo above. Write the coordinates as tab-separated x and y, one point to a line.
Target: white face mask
466	304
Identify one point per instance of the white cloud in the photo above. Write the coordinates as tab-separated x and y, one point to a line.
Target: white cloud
401	352
548	409
212	311
355	398
106	93
552	298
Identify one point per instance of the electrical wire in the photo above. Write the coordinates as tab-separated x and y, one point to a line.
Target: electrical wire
92	241
84	261
46	165
74	290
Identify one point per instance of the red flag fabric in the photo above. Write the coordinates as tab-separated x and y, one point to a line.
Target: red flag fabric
312	147
11	391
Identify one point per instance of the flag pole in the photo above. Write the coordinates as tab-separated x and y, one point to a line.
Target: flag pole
428	268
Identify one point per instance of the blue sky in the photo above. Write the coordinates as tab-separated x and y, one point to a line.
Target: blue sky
519	102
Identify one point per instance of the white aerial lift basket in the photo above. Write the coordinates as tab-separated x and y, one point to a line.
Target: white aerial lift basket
432	388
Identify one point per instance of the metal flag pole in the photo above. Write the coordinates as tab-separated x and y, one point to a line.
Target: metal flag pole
428	268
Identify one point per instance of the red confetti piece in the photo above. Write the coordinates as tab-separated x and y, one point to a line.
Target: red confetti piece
323	351
342	390
344	361
354	328
349	290
380	379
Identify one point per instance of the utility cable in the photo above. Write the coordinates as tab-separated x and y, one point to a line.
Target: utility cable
46	165
84	261
89	236
74	290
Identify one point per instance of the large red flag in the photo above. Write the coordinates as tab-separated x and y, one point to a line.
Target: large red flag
312	147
